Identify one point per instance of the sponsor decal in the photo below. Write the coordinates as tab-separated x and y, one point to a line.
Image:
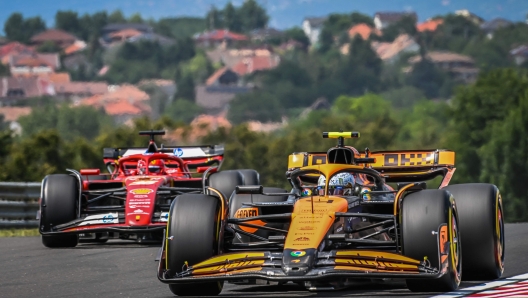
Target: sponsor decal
144	182
100	219
296	261
408	159
223	268
178	152
309	221
164	216
108	218
140	196
297	253
316	210
339	229
139	211
246	212
302	239
140	202
141	191
133	206
305	233
306	228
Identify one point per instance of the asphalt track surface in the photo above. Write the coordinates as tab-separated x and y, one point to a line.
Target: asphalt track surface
127	269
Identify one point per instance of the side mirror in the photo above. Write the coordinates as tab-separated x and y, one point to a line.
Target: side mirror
203	169
88	172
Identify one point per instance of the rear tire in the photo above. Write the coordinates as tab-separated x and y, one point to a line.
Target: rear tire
422	213
226	182
193	222
251	177
58	206
482	224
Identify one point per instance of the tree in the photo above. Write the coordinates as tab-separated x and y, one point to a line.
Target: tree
185	88
182	110
48	47
406	25
70	122
116	17
181	27
214	19
326	40
252	16
18	29
476	109
231	19
68	21
361	70
297	34
427	77
91	25
4	70
261	106
14	27
136	18
505	158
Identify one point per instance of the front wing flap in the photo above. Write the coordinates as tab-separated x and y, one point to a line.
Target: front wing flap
279	266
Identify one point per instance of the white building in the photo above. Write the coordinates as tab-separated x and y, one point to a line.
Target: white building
312	28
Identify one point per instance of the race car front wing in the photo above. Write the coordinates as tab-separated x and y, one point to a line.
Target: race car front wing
305	265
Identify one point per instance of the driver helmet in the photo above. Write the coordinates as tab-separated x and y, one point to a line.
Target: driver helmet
156	166
341	184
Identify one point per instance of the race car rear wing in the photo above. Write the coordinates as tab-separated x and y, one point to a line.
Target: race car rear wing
395	166
193	156
184	152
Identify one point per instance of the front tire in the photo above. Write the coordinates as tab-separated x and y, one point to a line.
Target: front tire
58	206
482	224
423	213
193	222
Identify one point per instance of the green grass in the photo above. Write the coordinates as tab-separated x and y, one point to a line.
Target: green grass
19	232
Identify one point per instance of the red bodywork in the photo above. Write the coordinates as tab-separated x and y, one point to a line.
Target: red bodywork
144	197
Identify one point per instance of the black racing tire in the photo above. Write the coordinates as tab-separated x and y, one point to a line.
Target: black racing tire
422	213
226	182
193	222
482	224
251	177
58	206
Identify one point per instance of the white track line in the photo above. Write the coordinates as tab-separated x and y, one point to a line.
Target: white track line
485	286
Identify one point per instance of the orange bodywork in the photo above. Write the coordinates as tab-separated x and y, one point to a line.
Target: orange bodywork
308	229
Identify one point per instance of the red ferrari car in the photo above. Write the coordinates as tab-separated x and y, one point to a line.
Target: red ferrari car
131	201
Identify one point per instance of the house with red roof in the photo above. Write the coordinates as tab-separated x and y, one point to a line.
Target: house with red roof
363	30
124	102
461	67
59	37
14	89
34	64
249	65
429	25
14	48
390	52
218	37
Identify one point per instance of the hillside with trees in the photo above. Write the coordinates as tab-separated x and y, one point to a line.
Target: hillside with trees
343	82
